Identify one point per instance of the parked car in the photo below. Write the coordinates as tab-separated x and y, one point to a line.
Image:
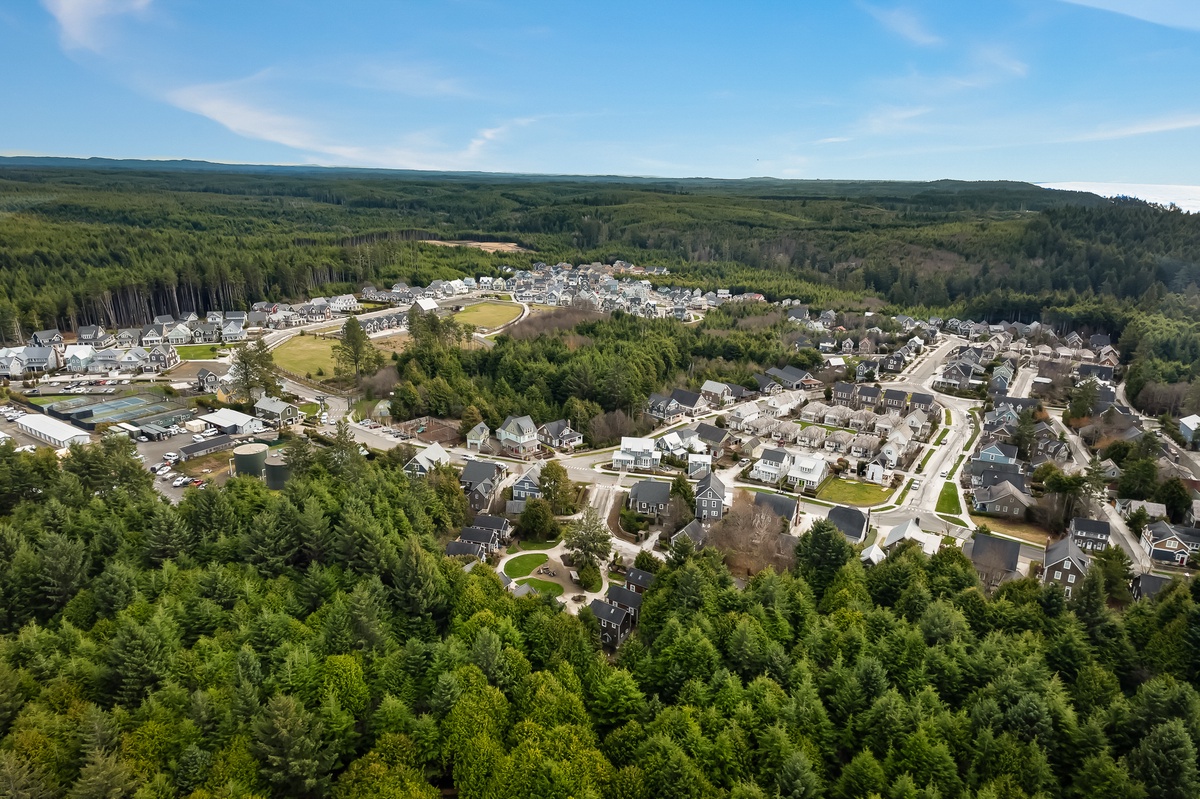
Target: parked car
197	438
171	457
181	480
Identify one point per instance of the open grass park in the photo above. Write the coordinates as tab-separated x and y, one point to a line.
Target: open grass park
543	586
852	492
488	315
198	352
948	501
306	355
523	565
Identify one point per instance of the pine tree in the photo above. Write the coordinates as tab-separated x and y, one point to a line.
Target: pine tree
1165	762
103	777
289	745
819	555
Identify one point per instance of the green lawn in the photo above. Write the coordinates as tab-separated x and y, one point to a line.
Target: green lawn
309	408
948	501
488	315
925	460
197	352
543	586
954	520
523	565
942	436
306	355
525	545
42	402
947	416
850	492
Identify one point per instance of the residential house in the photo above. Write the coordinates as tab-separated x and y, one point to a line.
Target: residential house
866	370
895	448
710	499
501	525
917	423
997	452
865	446
714	438
813	436
867	397
624	598
1091	535
488	539
638	581
42	359
666	409
615	622
1171	544
922	402
275	411
478	436
911	531
1003	499
344	303
47	338
895	400
559	435
96	336
480	481
528	485
717	394
772	466
179	334
518	435
650	497
636	453
78	358
807	472
995	559
1146	586
843	394
129	337
457	548
206	333
691	402
838	441
162	358
1066	565
785	507
766	385
698	465
739	416
851	522
232	331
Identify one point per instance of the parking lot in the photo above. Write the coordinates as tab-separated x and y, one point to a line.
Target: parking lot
9	428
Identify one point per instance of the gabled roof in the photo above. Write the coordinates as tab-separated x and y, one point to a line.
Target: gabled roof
1067	548
710	480
852	522
465	548
651	492
609	613
688	399
993	554
488	522
642	579
711	434
1091	526
478	535
476	472
782	506
519	425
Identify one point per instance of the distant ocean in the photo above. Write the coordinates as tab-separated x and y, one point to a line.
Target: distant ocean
1186	197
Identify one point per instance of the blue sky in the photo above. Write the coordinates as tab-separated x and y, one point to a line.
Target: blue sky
1093	91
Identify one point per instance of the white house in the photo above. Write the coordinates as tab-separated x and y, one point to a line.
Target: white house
772	466
807	471
636	453
518	434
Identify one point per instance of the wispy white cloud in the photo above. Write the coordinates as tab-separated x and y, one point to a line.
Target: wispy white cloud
1183	14
1143	128
229	105
82	22
413	80
892	119
833	140
904	23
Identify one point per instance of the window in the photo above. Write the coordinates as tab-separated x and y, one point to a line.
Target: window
1058	575
1070	578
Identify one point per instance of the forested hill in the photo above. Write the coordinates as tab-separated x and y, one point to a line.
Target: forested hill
118	243
313	643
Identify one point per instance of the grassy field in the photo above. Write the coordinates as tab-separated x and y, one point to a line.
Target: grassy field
305	355
523	565
197	352
942	436
543	586
488	315
948	501
1026	532
848	492
925	460
954	520
525	546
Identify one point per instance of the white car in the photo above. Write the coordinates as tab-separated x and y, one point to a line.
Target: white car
167	476
171	457
943	472
179	481
210	432
197	438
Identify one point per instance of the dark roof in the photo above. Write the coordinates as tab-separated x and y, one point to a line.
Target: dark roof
478	535
992	554
476	472
687	398
652	492
852	522
764	381
894	394
464	548
710	480
1091	526
774	455
781	506
623	595
488	522
868	391
1067	548
214	444
711	433
843	388
994	477
556	428
639	578
1147	585
922	399
693	530
609	613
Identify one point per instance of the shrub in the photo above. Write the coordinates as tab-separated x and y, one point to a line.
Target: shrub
589	577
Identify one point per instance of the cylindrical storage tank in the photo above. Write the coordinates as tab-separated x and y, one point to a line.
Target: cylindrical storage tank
249	459
277	473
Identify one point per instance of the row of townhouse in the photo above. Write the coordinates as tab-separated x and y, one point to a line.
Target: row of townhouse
870	397
16	362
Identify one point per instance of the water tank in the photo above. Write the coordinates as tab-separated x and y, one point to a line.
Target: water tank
277	472
249	459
